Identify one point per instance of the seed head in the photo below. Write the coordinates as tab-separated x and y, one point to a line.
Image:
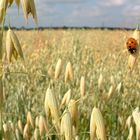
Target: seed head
69	72
3	7
51	107
133	57
97	128
82	86
29	119
42	126
131	133
66	126
73	109
66	98
29	8
13	47
58	69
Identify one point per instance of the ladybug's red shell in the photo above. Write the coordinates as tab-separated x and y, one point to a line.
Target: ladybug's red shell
131	45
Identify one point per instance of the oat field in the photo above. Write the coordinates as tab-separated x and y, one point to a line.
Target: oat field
65	77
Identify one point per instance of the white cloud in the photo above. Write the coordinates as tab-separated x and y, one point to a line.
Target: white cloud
65	1
79	12
132	11
110	3
88	12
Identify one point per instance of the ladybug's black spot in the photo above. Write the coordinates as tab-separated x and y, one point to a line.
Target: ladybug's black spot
132	50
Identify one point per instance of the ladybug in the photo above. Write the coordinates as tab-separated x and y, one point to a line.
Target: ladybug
131	45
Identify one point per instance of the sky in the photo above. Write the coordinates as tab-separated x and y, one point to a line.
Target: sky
91	13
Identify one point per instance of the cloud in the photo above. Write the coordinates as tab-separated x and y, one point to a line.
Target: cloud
65	1
79	13
133	10
87	12
109	3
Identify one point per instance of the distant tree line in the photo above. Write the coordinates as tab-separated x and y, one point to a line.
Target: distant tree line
66	28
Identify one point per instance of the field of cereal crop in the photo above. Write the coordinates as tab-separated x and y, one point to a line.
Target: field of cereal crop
33	100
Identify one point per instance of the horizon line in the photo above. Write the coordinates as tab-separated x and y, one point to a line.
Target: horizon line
70	27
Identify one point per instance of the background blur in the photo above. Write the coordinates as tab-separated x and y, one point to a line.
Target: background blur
78	13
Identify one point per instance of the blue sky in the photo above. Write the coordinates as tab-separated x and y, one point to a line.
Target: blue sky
94	13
